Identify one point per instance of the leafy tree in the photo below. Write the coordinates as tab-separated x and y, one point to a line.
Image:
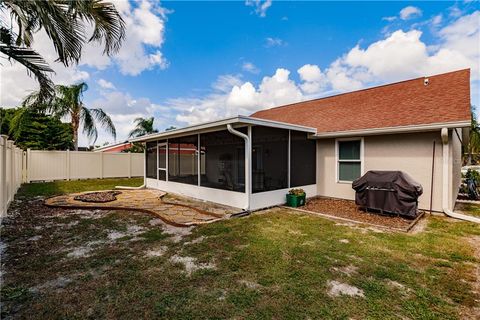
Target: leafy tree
64	21
170	128
33	129
67	102
143	127
473	147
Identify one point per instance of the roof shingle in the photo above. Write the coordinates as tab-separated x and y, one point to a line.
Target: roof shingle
446	98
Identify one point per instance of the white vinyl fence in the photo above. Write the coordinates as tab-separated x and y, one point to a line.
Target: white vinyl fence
18	166
11	172
71	165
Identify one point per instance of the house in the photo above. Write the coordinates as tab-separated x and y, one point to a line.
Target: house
417	126
116	147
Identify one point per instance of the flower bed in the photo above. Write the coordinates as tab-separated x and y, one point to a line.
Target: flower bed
347	209
98	197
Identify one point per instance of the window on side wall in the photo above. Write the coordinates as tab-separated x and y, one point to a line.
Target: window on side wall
349	159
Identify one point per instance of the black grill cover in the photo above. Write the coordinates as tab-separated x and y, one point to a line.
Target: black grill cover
389	191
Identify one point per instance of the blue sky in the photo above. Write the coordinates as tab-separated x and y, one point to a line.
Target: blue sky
187	62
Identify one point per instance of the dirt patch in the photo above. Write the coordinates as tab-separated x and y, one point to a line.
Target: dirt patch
336	289
348	270
196	240
156	252
190	264
131	231
250	284
80	252
348	210
177	233
58	283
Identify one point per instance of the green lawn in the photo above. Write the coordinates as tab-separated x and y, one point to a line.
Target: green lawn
276	264
61	187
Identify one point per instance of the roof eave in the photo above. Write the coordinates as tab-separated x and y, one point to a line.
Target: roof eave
393	130
219	124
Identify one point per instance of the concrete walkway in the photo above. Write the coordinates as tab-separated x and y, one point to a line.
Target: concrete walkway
145	200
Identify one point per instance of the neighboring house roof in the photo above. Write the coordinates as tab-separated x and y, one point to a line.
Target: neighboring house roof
445	100
237	121
117	147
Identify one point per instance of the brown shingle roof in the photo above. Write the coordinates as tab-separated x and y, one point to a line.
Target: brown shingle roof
445	99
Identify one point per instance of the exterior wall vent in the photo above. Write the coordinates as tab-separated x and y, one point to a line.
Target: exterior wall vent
426	81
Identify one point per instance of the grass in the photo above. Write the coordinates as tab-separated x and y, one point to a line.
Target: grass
468	208
274	264
61	187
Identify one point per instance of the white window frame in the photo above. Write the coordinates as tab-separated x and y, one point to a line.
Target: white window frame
337	157
162	144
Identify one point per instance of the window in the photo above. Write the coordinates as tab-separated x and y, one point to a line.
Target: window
269	159
302	159
222	164
183	160
151	160
349	155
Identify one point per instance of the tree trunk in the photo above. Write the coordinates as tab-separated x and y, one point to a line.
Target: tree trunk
75	125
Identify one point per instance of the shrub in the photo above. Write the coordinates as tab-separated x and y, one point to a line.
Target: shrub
297	192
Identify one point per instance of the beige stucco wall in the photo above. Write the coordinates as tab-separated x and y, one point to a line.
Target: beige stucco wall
411	153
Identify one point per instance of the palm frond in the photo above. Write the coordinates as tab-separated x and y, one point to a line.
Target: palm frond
35	64
89	126
105	121
109	25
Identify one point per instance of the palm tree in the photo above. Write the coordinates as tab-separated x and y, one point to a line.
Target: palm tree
143	127
65	22
67	102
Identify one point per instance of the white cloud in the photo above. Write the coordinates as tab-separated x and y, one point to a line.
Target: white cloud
390	18
141	51
398	56
274	42
410	12
314	79
437	20
104	84
260	6
250	67
242	98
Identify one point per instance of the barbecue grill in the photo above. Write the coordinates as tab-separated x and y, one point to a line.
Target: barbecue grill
392	192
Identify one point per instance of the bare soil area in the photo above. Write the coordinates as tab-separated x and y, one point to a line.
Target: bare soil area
348	210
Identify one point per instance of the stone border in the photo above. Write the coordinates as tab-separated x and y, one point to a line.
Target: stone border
328	216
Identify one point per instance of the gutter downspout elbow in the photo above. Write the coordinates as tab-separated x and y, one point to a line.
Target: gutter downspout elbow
445	185
247	162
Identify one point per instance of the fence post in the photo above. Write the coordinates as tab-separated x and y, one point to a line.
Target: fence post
3	174
101	163
129	164
12	171
28	165
68	165
24	166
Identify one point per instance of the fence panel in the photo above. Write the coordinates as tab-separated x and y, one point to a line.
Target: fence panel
137	164
11	172
46	165
66	165
17	166
85	165
116	165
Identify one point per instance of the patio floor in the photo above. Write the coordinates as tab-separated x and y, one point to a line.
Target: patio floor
177	211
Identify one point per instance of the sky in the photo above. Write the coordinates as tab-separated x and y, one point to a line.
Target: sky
190	62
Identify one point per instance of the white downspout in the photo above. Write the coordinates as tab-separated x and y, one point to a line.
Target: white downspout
247	162
445	184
